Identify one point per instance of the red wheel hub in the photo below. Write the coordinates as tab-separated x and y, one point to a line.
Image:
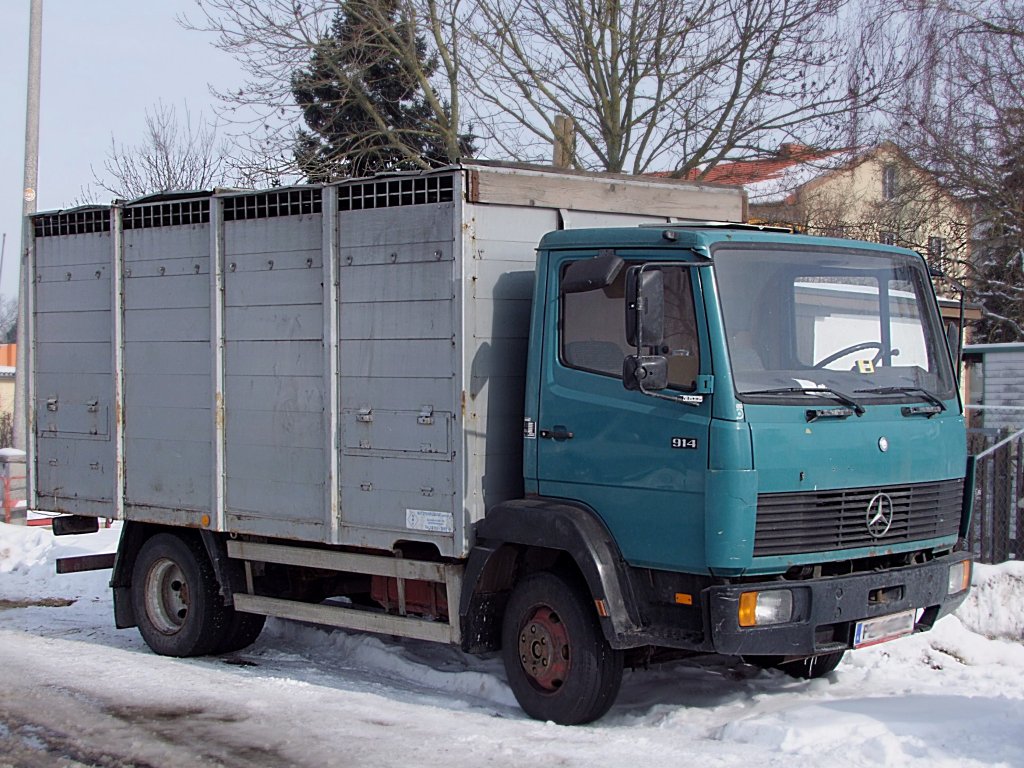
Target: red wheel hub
544	648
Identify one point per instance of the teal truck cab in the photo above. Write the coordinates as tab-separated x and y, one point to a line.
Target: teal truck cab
751	443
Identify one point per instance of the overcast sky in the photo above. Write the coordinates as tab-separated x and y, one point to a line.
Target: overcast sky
104	62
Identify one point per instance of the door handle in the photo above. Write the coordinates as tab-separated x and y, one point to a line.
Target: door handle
557	432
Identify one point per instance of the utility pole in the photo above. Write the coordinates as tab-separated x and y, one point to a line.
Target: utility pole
35	40
565	142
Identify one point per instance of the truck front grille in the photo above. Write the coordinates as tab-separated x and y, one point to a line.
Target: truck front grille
819	521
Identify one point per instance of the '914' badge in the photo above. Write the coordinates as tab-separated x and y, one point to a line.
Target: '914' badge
686	443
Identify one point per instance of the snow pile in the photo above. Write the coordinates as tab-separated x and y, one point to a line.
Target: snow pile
891	731
23	548
432	667
309	696
27	563
995	606
28	557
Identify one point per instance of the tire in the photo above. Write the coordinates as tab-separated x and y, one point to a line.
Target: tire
176	598
243	629
810	668
559	665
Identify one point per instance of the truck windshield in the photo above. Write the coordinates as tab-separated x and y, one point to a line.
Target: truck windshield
858	322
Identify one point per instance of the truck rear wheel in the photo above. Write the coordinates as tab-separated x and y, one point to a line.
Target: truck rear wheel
243	629
559	665
176	599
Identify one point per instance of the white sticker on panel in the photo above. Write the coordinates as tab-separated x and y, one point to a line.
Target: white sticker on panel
426	520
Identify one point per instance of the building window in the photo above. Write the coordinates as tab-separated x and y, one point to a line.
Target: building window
937	251
887	238
889	181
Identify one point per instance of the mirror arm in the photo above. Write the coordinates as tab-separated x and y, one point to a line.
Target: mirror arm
693	400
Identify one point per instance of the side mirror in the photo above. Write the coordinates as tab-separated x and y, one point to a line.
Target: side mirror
646	373
645	307
591	274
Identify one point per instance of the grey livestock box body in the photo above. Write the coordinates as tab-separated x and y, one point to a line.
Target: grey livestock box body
340	364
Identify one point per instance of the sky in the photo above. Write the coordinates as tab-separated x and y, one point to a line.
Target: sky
103	63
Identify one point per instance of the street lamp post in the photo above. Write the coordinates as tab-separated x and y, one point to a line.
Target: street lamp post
35	39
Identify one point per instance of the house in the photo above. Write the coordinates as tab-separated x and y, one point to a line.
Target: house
995	385
878	194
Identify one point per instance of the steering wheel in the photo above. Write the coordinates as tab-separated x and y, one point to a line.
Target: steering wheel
852	348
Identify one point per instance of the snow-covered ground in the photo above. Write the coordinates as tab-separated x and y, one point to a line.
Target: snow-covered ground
76	691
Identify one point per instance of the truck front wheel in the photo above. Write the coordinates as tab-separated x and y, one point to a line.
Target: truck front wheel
559	665
176	599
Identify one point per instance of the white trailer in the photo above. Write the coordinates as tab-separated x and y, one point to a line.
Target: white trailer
337	365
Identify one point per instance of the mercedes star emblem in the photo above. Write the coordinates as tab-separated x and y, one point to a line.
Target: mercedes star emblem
879	516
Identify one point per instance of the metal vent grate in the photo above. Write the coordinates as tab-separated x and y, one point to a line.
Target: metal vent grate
83	222
818	521
392	193
266	205
170	214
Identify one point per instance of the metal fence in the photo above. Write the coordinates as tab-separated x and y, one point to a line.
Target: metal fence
997	528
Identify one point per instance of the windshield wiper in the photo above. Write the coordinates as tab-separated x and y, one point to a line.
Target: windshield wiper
827	391
924	394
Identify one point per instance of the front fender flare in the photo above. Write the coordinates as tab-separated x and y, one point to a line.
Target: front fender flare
571	528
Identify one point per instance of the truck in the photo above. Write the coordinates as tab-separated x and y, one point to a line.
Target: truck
587	422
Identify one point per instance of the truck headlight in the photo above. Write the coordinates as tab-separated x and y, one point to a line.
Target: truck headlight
758	609
959	577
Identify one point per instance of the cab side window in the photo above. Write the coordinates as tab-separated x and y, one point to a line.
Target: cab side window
594	329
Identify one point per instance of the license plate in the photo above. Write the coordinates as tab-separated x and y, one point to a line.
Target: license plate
882	629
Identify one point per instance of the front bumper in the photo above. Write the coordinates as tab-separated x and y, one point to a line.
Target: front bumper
825	611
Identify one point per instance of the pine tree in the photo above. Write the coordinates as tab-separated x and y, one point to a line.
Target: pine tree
362	99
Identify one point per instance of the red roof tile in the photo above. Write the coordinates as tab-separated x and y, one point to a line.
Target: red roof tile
745	172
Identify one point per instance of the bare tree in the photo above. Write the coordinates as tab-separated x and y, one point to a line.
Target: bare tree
650	84
962	118
677	84
275	39
176	154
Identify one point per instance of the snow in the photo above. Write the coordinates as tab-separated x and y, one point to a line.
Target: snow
71	685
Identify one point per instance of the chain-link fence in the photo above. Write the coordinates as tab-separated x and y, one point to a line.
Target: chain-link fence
997	442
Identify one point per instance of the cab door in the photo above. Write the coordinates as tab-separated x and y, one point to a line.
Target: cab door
638	461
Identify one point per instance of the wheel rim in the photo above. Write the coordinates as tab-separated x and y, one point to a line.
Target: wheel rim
167	598
544	649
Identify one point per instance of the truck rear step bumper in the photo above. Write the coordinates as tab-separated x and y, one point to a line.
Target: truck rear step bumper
339	616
